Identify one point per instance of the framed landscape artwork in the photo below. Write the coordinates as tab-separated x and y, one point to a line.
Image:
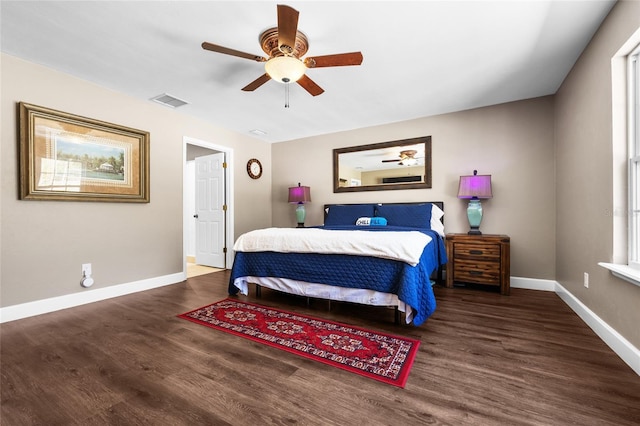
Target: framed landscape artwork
68	157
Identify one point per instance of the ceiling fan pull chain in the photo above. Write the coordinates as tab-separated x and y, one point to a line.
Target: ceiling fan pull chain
286	95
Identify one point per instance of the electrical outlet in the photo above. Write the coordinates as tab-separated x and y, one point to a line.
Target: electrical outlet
86	269
586	279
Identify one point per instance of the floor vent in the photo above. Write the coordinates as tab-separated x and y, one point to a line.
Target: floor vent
170	101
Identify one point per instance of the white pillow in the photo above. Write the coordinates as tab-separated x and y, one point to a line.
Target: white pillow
436	215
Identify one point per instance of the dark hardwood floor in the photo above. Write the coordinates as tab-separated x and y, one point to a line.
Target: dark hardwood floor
485	359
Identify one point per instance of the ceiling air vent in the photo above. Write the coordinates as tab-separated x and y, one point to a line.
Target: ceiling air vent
170	101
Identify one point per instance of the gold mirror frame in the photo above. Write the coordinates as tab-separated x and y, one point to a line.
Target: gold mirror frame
390	152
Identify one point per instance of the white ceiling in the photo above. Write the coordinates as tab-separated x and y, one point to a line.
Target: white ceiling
421	58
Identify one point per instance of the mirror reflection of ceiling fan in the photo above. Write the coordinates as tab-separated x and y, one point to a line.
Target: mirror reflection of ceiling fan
405	158
285	46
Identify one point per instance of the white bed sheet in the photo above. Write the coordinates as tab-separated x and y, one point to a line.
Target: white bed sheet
324	291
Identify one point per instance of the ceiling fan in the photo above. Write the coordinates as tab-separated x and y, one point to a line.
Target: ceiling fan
285	46
404	156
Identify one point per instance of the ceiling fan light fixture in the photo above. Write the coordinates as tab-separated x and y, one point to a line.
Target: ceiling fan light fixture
285	69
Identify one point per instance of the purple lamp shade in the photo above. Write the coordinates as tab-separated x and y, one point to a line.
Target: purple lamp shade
476	186
299	194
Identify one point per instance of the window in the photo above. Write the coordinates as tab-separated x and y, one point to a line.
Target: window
634	158
625	71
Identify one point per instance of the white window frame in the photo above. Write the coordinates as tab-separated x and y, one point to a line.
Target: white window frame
634	158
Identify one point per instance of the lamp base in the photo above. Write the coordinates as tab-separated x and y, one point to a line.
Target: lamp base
300	215
474	214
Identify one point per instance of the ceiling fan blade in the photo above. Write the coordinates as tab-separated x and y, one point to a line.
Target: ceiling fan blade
225	50
256	83
287	28
310	86
337	60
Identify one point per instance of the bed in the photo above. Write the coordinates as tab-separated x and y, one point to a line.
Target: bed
384	254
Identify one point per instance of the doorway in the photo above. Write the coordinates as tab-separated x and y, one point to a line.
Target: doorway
215	234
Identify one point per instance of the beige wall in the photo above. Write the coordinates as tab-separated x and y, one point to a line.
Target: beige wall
44	243
587	181
513	142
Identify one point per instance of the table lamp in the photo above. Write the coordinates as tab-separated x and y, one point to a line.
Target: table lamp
300	195
475	188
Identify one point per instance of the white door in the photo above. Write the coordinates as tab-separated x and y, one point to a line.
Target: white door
210	211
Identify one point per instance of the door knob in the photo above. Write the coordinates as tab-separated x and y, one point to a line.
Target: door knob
195	215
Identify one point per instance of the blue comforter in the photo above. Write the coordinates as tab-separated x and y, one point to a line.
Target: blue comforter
411	283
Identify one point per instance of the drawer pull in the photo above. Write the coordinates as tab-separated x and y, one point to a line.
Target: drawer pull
475	252
475	272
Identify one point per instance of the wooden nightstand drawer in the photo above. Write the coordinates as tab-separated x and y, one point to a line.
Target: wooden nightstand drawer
479	259
486	252
473	271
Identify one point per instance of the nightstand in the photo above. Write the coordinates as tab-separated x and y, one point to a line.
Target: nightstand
479	259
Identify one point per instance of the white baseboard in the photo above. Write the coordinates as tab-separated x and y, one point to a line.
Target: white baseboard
533	284
38	307
621	346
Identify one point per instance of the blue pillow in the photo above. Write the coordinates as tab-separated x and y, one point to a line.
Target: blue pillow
411	215
342	214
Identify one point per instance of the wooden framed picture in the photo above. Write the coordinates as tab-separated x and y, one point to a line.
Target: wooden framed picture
68	157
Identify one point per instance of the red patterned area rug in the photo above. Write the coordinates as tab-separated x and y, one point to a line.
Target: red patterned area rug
380	356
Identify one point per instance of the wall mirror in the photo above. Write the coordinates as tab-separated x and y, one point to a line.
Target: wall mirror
402	164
